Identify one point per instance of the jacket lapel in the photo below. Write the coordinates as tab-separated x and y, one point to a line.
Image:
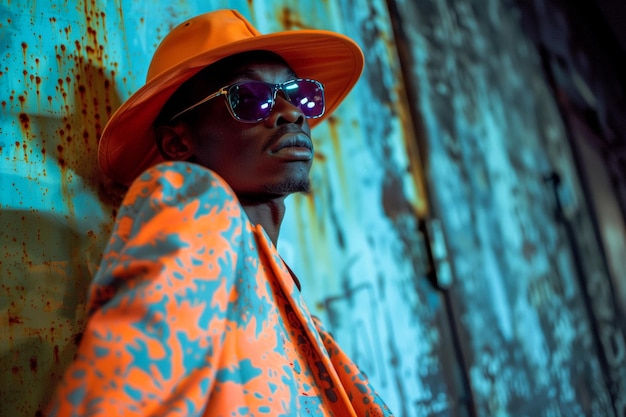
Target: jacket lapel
291	292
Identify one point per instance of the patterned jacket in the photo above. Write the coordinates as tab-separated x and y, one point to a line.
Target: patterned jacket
194	313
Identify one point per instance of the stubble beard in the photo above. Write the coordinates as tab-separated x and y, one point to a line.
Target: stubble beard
290	186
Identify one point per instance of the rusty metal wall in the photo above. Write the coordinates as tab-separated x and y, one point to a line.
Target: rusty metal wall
57	88
428	244
504	185
586	75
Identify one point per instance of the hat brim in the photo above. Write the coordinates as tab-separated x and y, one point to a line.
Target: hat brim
127	146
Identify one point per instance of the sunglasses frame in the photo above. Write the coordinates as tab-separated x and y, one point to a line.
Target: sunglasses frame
226	91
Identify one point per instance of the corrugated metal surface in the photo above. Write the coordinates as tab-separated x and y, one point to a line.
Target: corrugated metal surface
361	241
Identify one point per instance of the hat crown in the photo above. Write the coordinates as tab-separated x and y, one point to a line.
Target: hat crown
197	36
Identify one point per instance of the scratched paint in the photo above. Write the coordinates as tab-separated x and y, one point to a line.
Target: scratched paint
362	240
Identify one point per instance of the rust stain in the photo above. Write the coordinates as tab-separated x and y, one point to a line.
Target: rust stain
412	148
319	156
290	20
38	86
109	91
26	133
81	92
24	48
25	121
33	363
60	150
61	89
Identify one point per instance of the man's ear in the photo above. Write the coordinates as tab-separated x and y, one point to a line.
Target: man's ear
174	142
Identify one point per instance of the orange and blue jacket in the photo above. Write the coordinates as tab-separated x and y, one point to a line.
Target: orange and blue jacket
194	313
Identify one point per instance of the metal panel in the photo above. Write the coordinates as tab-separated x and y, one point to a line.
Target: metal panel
583	66
495	140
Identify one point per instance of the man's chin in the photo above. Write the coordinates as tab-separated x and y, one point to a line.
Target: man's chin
290	186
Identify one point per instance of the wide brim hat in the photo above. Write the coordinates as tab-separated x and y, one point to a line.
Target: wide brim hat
127	145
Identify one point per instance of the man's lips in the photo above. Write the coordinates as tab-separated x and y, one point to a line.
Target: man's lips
292	140
293	147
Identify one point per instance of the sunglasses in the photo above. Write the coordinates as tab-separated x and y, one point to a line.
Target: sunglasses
253	101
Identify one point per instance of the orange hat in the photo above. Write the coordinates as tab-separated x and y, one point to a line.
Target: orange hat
127	146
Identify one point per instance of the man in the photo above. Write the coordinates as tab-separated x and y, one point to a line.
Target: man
193	312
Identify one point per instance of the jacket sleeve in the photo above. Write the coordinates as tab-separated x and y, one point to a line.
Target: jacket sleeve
158	303
365	400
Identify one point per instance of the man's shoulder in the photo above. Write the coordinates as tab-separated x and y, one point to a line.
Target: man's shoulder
182	172
179	182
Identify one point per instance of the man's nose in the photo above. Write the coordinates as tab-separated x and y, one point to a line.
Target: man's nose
285	111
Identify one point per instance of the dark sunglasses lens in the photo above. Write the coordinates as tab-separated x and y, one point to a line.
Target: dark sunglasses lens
307	95
250	101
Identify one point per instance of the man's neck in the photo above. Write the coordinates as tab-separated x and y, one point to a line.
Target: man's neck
269	214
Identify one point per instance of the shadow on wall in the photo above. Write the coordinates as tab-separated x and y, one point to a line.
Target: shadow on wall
44	282
94	100
54	223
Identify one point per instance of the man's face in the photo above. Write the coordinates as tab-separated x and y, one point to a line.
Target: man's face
266	159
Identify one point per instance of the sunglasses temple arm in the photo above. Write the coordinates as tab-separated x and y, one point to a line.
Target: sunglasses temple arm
204	100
